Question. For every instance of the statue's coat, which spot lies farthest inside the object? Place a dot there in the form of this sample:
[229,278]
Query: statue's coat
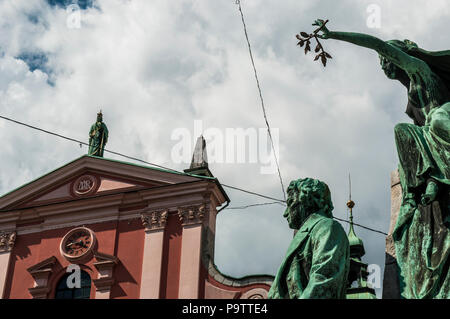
[316,263]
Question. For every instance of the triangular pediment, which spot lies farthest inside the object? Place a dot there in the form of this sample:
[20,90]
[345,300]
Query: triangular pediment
[43,266]
[87,177]
[104,258]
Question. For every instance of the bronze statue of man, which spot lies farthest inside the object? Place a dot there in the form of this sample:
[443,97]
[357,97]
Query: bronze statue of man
[98,136]
[317,260]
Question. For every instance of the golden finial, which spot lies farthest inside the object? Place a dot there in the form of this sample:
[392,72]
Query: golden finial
[350,204]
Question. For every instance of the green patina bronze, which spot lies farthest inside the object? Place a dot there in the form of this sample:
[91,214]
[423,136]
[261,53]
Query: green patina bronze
[421,234]
[98,136]
[317,260]
[358,287]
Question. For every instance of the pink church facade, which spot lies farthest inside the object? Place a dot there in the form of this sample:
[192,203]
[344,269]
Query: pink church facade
[140,233]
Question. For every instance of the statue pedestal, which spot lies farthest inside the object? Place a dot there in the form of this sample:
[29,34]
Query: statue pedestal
[391,286]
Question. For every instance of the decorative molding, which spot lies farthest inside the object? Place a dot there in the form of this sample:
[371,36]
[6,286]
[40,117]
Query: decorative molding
[191,215]
[155,220]
[70,223]
[105,265]
[213,292]
[103,284]
[41,272]
[255,293]
[39,292]
[229,281]
[86,184]
[94,164]
[102,258]
[7,240]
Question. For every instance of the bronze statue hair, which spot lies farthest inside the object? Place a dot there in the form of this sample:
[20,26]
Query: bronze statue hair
[318,193]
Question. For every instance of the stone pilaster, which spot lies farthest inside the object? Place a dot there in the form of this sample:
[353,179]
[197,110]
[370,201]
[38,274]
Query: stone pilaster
[391,285]
[7,241]
[192,219]
[154,223]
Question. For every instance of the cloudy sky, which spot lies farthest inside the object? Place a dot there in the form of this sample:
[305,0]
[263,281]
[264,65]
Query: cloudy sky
[154,67]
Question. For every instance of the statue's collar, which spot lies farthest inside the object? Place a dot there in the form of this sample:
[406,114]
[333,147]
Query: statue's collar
[311,220]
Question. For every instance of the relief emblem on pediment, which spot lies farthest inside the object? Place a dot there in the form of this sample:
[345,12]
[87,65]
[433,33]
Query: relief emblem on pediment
[84,185]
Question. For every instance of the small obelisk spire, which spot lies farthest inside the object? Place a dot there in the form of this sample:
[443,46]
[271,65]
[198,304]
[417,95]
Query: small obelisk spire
[199,163]
[200,157]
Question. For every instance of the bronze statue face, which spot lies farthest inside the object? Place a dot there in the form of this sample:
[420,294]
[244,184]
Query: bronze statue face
[293,209]
[99,117]
[306,196]
[298,205]
[389,68]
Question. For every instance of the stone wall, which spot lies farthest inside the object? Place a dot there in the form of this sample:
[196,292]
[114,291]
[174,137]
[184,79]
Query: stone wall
[391,288]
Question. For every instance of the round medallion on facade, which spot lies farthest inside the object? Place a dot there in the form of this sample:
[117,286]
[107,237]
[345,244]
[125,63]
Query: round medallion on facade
[78,244]
[85,184]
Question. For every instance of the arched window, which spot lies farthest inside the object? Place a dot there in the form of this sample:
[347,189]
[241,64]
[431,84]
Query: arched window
[64,292]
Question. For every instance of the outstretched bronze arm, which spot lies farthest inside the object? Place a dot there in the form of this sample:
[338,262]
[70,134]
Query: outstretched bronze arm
[406,62]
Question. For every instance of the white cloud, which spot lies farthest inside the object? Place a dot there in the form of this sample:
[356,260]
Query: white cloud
[154,66]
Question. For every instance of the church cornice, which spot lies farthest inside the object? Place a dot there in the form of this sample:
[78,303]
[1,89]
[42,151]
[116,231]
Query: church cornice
[99,209]
[95,164]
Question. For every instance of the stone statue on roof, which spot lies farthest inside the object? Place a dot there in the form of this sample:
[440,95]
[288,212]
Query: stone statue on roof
[98,136]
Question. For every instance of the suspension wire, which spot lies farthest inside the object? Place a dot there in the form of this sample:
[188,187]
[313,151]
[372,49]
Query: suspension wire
[337,218]
[83,143]
[238,2]
[365,227]
[277,201]
[131,157]
[253,205]
[253,193]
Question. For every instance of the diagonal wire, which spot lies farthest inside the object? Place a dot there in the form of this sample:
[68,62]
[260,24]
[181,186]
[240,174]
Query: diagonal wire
[253,205]
[129,157]
[238,2]
[277,201]
[253,193]
[365,227]
[83,143]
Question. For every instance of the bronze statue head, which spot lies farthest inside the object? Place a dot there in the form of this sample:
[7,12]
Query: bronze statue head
[391,70]
[99,116]
[307,196]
